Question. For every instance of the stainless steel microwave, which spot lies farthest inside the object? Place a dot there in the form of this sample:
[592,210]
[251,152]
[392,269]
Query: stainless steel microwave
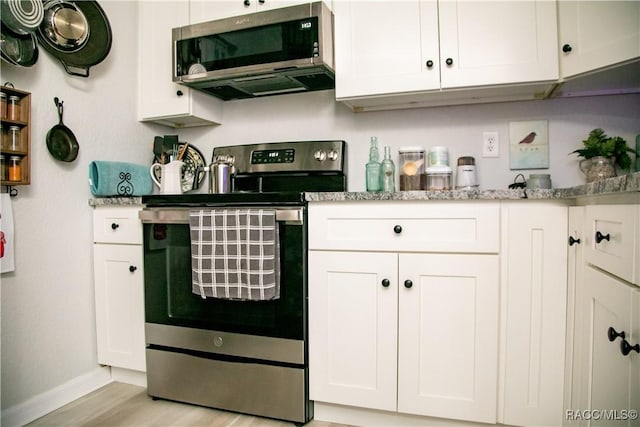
[265,53]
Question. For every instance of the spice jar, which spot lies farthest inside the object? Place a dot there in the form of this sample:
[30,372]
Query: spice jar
[3,105]
[3,168]
[4,135]
[15,168]
[13,138]
[13,108]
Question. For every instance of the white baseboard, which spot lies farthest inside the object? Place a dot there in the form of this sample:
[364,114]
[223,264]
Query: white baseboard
[129,376]
[53,399]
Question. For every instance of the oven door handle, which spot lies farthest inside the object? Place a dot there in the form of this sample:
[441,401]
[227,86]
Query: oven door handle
[290,216]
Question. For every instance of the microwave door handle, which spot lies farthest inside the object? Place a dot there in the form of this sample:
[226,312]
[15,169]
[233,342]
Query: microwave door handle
[290,216]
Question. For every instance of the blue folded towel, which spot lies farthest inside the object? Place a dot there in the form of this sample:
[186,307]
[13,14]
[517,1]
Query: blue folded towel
[119,179]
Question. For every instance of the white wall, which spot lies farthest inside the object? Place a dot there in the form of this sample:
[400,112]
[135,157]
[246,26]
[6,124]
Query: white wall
[317,116]
[48,327]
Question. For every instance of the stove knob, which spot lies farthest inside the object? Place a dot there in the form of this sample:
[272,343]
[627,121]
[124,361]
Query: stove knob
[320,155]
[332,155]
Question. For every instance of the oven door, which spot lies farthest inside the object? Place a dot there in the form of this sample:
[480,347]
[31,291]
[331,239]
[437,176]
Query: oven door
[169,299]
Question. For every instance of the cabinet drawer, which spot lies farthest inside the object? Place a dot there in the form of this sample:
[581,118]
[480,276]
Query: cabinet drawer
[117,224]
[612,240]
[405,226]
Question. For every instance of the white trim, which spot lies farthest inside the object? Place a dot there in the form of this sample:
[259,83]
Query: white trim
[129,376]
[55,398]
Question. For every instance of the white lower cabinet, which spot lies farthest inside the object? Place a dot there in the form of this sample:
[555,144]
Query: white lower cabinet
[412,333]
[119,287]
[534,278]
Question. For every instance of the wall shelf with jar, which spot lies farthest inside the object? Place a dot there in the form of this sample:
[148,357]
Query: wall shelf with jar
[15,121]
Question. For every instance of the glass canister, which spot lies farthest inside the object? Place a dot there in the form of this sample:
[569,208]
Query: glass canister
[439,178]
[4,173]
[3,105]
[14,142]
[411,165]
[15,168]
[13,108]
[542,180]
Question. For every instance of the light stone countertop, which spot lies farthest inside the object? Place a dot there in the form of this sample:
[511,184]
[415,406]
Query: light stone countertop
[616,185]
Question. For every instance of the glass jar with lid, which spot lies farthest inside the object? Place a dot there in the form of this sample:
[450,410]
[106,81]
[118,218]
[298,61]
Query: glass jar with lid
[13,108]
[14,141]
[3,105]
[15,168]
[411,167]
[4,171]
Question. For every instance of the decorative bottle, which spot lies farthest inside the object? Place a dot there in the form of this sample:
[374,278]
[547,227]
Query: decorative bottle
[388,171]
[373,167]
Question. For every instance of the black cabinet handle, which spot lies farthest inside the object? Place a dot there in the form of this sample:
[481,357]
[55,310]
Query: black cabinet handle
[600,237]
[573,241]
[179,93]
[625,347]
[408,284]
[612,334]
[429,63]
[247,3]
[449,61]
[114,226]
[385,283]
[567,48]
[261,1]
[132,268]
[397,229]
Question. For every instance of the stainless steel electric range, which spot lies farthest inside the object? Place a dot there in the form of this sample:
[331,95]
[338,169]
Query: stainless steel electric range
[235,354]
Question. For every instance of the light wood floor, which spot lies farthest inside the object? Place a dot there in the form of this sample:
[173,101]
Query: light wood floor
[119,404]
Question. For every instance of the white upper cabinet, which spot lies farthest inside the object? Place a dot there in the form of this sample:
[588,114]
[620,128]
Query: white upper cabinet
[404,47]
[203,10]
[597,34]
[160,100]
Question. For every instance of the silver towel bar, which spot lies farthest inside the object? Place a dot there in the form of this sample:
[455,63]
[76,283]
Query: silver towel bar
[292,216]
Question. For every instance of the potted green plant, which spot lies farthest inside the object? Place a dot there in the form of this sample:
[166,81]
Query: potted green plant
[602,154]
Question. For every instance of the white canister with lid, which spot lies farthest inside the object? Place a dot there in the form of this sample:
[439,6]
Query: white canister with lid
[438,156]
[439,178]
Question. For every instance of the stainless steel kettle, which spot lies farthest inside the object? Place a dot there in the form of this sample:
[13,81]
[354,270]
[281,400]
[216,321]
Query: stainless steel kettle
[221,172]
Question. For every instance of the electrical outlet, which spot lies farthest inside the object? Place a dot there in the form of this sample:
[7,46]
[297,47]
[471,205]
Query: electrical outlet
[490,144]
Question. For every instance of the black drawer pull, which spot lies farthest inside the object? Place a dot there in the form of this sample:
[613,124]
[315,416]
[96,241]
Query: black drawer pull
[600,237]
[132,268]
[385,283]
[612,334]
[625,348]
[397,229]
[573,241]
[567,48]
[408,284]
[114,226]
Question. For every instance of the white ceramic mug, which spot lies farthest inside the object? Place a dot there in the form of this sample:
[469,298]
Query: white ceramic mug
[170,177]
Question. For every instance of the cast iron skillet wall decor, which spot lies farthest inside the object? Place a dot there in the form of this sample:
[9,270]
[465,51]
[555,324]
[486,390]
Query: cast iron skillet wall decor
[61,142]
[77,33]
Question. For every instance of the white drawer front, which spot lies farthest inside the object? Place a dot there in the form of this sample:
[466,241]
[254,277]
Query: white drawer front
[617,250]
[405,226]
[117,224]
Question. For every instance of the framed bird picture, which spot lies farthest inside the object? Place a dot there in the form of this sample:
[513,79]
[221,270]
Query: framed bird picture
[529,144]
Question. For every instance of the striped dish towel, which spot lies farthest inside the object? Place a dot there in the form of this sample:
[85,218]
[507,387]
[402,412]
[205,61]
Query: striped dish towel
[235,254]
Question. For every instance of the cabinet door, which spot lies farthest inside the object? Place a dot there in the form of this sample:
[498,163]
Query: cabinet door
[383,47]
[599,33]
[353,328]
[119,293]
[535,292]
[448,336]
[575,278]
[606,371]
[497,42]
[159,99]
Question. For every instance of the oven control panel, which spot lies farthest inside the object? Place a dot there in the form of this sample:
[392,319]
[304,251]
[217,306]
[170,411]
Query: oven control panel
[300,156]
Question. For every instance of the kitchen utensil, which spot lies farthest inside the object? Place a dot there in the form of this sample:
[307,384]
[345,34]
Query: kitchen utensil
[65,26]
[171,177]
[17,49]
[193,170]
[466,178]
[21,16]
[220,173]
[61,142]
[411,168]
[75,50]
